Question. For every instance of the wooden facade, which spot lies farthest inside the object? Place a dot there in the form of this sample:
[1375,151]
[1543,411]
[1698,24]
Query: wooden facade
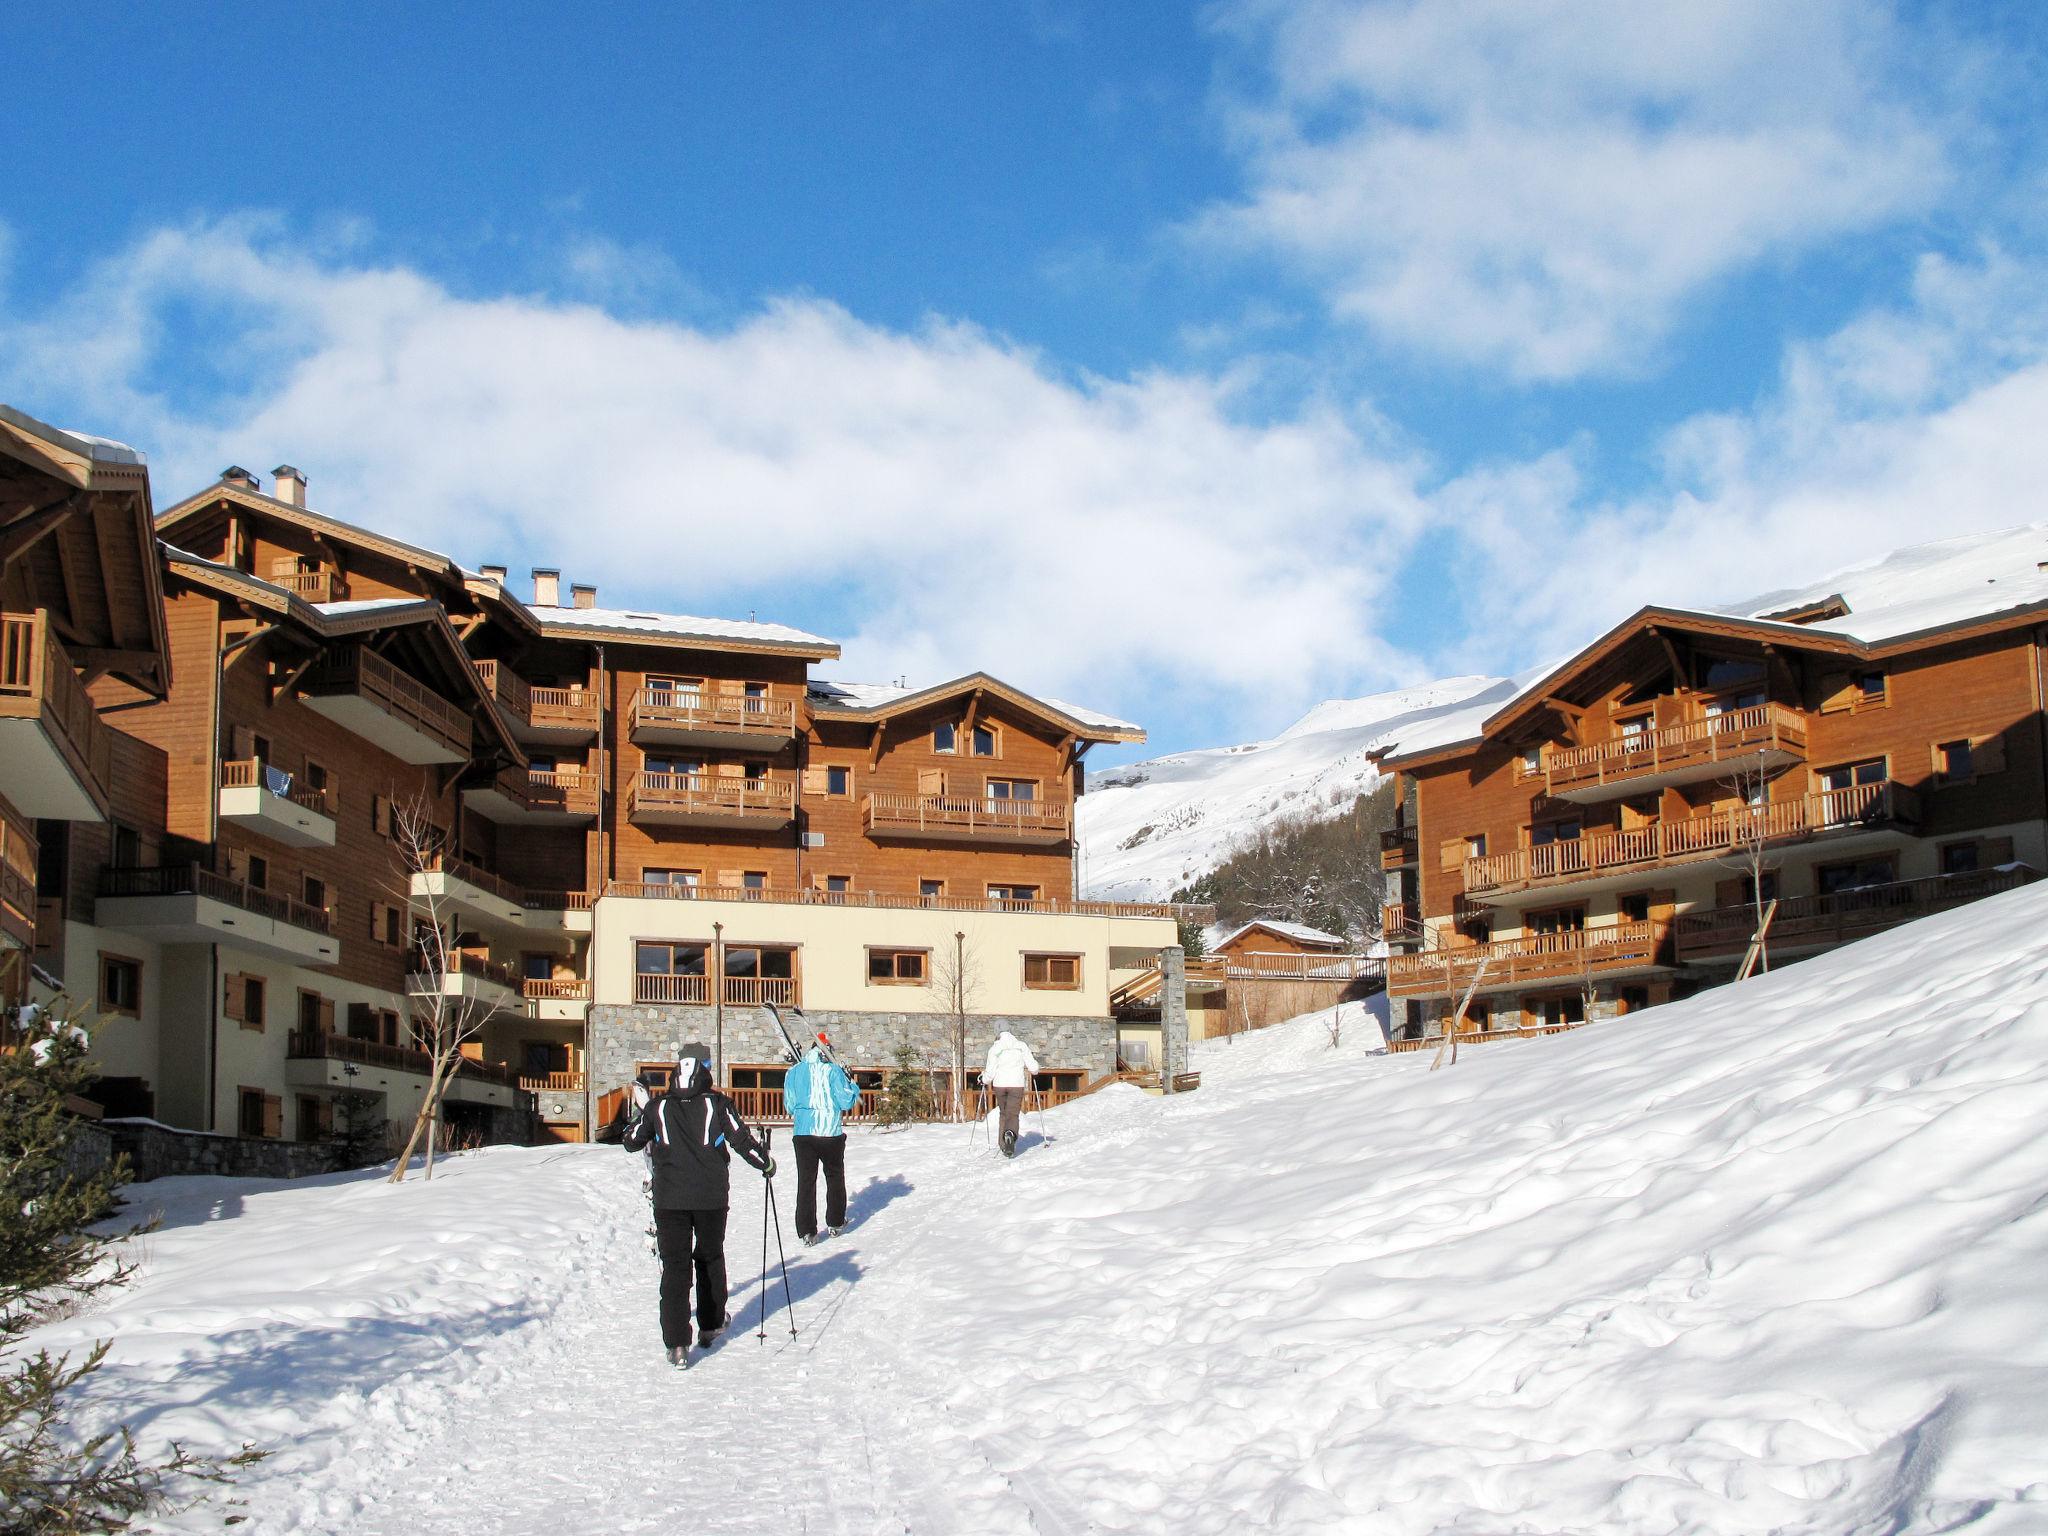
[1596,845]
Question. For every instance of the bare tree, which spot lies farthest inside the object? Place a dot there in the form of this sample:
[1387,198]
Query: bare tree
[1750,826]
[442,1022]
[956,988]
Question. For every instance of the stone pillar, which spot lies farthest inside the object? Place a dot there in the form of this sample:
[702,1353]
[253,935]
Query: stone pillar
[1173,1015]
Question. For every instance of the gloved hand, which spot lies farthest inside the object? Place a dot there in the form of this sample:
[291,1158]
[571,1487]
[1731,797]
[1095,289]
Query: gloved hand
[768,1169]
[640,1098]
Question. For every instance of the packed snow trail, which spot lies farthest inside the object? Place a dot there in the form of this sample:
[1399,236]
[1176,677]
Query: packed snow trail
[1769,1260]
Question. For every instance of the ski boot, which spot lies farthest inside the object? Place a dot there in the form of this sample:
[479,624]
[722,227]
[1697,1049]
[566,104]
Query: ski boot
[706,1337]
[1009,1143]
[679,1357]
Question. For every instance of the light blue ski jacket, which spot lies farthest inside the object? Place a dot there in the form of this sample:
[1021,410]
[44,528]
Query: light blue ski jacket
[817,1093]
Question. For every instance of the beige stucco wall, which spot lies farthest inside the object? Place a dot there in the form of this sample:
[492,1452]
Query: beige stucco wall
[834,941]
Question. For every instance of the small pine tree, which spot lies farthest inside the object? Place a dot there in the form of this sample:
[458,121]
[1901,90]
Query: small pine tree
[1193,943]
[908,1098]
[362,1136]
[54,1483]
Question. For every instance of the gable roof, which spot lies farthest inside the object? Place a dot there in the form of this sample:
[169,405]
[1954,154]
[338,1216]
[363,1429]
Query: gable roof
[1907,600]
[1301,933]
[883,701]
[681,629]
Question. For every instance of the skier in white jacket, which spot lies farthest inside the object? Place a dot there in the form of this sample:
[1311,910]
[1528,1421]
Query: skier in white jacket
[1009,1070]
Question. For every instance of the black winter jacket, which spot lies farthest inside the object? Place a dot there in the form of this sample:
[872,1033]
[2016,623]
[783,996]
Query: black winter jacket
[688,1132]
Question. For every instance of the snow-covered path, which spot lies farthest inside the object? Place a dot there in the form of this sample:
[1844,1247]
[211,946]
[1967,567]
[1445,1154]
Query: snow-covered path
[1768,1260]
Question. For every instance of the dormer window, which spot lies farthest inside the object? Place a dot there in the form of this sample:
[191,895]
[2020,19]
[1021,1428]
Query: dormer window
[946,738]
[984,742]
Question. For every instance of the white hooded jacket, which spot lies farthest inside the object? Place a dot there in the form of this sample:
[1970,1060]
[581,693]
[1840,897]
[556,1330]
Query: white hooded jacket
[1010,1063]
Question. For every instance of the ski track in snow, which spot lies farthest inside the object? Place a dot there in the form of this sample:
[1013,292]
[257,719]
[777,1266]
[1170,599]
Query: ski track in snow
[1767,1260]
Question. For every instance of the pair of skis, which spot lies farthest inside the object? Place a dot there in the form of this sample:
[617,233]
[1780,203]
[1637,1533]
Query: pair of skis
[792,1052]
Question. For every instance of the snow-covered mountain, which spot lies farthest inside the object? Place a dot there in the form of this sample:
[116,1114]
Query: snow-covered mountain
[1151,827]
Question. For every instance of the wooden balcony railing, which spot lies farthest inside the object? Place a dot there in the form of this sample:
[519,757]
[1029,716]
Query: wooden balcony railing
[306,1044]
[38,681]
[322,586]
[568,709]
[740,991]
[1397,847]
[473,875]
[552,1082]
[685,709]
[567,791]
[806,896]
[968,815]
[1533,958]
[1400,919]
[458,962]
[1839,918]
[247,773]
[570,988]
[17,876]
[1723,738]
[555,901]
[1863,806]
[711,794]
[357,669]
[195,880]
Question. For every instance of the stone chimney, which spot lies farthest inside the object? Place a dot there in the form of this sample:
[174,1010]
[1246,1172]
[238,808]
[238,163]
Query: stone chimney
[547,588]
[581,596]
[291,486]
[496,573]
[239,478]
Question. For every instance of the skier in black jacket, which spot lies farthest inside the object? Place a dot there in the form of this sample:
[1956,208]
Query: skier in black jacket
[687,1131]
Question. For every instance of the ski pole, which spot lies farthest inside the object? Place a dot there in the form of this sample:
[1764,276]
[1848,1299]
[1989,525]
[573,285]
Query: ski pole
[767,1199]
[782,1258]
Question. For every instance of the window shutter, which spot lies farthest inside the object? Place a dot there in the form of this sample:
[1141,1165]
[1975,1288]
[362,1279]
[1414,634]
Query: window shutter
[243,742]
[273,1115]
[326,1015]
[231,1004]
[323,1117]
[380,815]
[238,864]
[1450,853]
[376,920]
[730,876]
[731,770]
[816,781]
[729,686]
[1994,851]
[1987,754]
[1837,692]
[931,781]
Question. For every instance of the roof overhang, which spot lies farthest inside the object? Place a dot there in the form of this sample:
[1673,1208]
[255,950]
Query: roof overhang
[193,508]
[809,649]
[979,682]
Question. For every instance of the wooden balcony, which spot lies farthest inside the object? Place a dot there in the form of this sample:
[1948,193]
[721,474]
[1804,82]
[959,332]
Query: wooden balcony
[453,886]
[1888,806]
[557,997]
[468,977]
[1397,848]
[260,798]
[809,896]
[1804,923]
[190,904]
[1401,922]
[325,585]
[556,715]
[1691,752]
[966,819]
[1624,949]
[17,879]
[558,911]
[55,753]
[710,800]
[552,1082]
[695,991]
[359,690]
[702,718]
[304,1044]
[558,797]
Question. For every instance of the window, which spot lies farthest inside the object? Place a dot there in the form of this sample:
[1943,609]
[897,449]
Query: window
[1856,874]
[1052,973]
[1012,789]
[1854,775]
[1013,893]
[1531,761]
[539,1058]
[120,984]
[760,973]
[756,774]
[260,748]
[945,738]
[314,892]
[1557,920]
[249,1111]
[838,781]
[930,890]
[671,973]
[838,882]
[1959,859]
[259,873]
[684,879]
[1953,762]
[127,847]
[681,767]
[1870,687]
[1634,999]
[1558,1012]
[316,776]
[253,995]
[675,692]
[536,965]
[1475,846]
[898,967]
[312,1012]
[754,880]
[1555,832]
[984,741]
[1727,672]
[1728,704]
[1633,727]
[1633,907]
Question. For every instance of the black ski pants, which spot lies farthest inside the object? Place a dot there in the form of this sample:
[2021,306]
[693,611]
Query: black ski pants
[1010,1105]
[690,1240]
[813,1153]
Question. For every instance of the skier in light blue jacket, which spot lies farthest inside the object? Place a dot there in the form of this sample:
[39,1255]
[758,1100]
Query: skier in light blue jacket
[818,1093]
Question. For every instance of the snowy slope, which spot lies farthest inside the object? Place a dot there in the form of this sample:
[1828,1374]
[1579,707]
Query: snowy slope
[1149,828]
[1766,1260]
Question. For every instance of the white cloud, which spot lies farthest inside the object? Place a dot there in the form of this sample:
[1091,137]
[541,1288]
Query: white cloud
[945,492]
[1906,425]
[1541,186]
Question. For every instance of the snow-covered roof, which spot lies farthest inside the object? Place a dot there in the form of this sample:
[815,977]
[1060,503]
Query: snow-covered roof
[1301,933]
[881,697]
[679,626]
[369,604]
[1905,594]
[103,450]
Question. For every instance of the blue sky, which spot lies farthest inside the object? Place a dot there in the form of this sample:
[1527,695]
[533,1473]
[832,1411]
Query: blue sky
[1195,362]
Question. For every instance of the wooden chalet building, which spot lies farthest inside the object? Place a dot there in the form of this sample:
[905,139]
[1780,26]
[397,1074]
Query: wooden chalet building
[1604,838]
[645,826]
